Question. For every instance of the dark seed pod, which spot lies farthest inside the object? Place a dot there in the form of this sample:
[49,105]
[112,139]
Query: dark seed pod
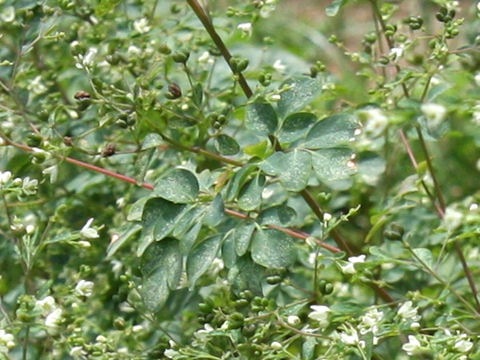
[174,91]
[67,140]
[82,95]
[109,150]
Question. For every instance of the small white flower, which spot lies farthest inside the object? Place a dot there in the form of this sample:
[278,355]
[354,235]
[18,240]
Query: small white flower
[202,333]
[141,26]
[452,219]
[435,113]
[137,328]
[170,353]
[412,346]
[478,6]
[84,288]
[268,8]
[407,311]
[293,320]
[101,339]
[52,172]
[349,268]
[205,58]
[370,321]
[327,217]
[396,53]
[88,59]
[36,86]
[46,305]
[277,65]
[52,321]
[320,314]
[6,341]
[275,97]
[5,177]
[477,79]
[77,352]
[375,121]
[89,232]
[134,50]
[8,14]
[350,339]
[246,29]
[463,345]
[276,345]
[473,207]
[29,186]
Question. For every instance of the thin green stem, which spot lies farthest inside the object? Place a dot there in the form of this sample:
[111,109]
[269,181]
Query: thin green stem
[205,20]
[428,270]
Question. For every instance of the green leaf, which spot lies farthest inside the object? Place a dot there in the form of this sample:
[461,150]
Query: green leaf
[281,215]
[425,256]
[250,196]
[246,275]
[215,213]
[229,255]
[333,131]
[161,267]
[308,348]
[226,145]
[187,240]
[273,249]
[302,91]
[127,231]
[261,118]
[293,168]
[186,221]
[136,210]
[178,186]
[158,220]
[260,150]
[238,180]
[201,257]
[296,126]
[331,164]
[242,235]
[197,94]
[334,7]
[151,141]
[105,7]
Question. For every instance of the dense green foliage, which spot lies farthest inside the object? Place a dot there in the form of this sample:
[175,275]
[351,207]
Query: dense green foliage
[189,180]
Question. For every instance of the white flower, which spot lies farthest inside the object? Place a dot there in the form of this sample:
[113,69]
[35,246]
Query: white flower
[276,345]
[370,321]
[268,8]
[88,59]
[293,320]
[77,352]
[277,65]
[141,25]
[275,97]
[202,333]
[477,79]
[375,121]
[205,58]
[101,339]
[36,86]
[246,29]
[84,288]
[435,113]
[463,345]
[320,314]
[52,172]
[6,341]
[408,312]
[349,268]
[396,53]
[5,177]
[170,353]
[8,14]
[134,50]
[53,320]
[137,328]
[412,346]
[327,217]
[478,6]
[46,305]
[89,232]
[350,339]
[452,219]
[29,186]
